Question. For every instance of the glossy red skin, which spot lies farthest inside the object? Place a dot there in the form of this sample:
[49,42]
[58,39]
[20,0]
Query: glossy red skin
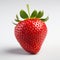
[30,34]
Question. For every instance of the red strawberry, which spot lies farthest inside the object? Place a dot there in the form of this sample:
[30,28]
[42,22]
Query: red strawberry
[31,32]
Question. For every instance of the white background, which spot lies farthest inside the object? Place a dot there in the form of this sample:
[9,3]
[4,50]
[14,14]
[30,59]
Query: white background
[9,47]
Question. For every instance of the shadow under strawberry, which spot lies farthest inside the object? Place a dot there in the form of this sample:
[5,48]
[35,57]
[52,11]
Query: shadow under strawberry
[16,51]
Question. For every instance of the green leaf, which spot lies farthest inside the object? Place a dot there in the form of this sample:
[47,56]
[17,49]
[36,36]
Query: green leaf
[34,13]
[40,14]
[17,20]
[23,14]
[14,23]
[44,19]
[17,17]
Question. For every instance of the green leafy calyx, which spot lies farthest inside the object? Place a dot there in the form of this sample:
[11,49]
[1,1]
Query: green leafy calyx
[23,14]
[34,14]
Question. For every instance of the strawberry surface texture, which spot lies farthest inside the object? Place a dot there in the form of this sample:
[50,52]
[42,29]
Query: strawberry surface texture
[31,34]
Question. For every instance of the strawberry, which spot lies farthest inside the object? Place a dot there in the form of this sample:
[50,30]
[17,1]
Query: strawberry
[31,32]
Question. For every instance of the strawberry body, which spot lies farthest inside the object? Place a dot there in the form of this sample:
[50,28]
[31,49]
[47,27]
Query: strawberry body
[30,34]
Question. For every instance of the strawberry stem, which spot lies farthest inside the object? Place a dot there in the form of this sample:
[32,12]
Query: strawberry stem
[28,10]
